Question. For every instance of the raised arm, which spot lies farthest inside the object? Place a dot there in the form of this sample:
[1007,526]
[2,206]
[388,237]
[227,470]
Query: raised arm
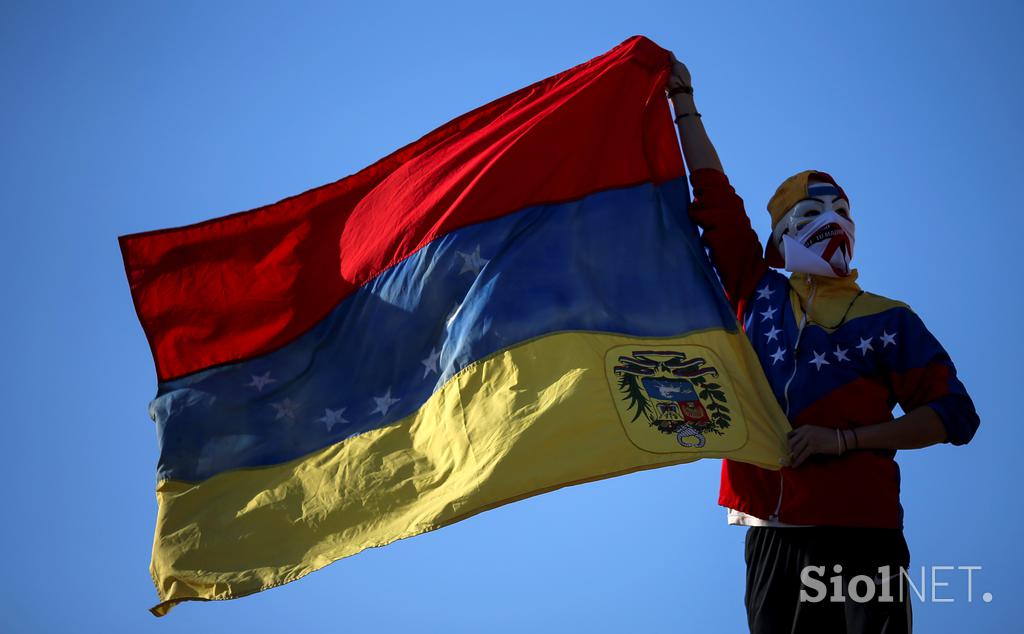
[735,248]
[698,150]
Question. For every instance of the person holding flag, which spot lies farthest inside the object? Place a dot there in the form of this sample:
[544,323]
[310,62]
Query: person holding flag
[838,359]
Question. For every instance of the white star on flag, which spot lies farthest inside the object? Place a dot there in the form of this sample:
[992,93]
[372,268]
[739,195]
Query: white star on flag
[865,345]
[764,293]
[259,382]
[384,403]
[430,363]
[841,354]
[472,261]
[887,339]
[819,360]
[332,417]
[766,315]
[777,355]
[773,333]
[286,410]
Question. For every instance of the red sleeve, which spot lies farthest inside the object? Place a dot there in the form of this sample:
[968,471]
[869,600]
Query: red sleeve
[735,248]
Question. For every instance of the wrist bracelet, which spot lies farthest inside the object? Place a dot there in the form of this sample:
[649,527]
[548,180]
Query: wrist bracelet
[839,448]
[686,114]
[686,90]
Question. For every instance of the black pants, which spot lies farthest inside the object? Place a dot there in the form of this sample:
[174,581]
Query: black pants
[776,556]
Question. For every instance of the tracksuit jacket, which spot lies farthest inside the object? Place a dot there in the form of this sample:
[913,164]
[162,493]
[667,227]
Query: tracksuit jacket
[859,355]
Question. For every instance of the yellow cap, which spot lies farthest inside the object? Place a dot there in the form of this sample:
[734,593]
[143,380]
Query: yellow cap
[790,192]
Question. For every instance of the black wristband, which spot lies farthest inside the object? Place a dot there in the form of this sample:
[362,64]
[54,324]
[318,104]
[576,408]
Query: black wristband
[686,90]
[686,114]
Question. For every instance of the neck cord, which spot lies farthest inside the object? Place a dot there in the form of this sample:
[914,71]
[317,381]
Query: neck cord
[842,320]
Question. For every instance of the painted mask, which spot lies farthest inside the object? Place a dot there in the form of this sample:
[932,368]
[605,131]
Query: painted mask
[816,234]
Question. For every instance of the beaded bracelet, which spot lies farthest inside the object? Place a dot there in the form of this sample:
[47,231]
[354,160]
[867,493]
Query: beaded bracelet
[686,114]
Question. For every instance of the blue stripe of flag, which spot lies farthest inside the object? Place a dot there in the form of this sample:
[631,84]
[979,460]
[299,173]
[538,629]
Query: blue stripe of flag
[621,261]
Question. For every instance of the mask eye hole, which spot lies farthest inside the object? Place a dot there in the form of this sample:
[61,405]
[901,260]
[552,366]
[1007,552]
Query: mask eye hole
[844,212]
[806,217]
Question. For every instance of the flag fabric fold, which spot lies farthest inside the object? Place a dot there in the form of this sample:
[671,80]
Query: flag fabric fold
[514,303]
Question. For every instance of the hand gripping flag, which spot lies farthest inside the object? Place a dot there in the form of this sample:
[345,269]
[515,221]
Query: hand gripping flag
[514,303]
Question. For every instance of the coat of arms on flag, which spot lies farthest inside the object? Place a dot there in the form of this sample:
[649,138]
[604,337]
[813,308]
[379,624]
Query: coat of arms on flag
[681,395]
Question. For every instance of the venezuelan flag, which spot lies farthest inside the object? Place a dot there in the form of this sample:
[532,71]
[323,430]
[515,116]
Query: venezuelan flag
[514,303]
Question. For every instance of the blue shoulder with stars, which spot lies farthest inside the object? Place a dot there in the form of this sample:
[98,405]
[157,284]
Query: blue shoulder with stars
[881,338]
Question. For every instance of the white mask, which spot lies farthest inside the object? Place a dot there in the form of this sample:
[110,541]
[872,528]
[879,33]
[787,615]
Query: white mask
[816,234]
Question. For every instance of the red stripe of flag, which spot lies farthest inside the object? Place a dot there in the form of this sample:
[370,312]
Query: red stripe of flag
[245,284]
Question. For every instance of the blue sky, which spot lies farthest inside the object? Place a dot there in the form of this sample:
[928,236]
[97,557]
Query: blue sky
[125,117]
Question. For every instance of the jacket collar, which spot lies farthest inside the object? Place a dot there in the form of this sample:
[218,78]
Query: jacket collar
[832,296]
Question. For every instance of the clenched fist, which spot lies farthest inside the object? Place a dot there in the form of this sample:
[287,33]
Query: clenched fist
[680,74]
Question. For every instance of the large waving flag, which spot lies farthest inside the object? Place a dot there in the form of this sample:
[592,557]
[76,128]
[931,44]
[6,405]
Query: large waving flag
[514,303]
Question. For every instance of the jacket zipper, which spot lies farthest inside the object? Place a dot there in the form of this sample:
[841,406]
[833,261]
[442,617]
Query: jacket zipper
[785,391]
